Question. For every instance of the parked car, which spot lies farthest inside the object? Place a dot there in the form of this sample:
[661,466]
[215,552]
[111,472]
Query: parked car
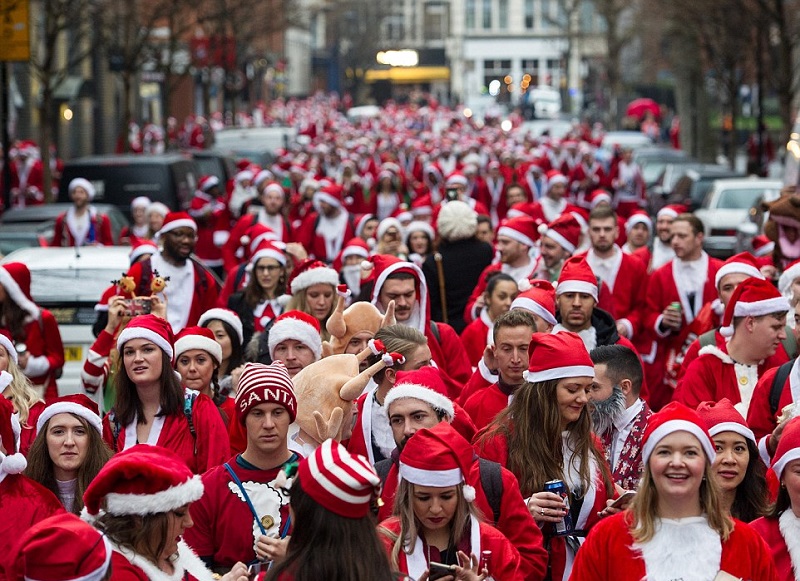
[727,205]
[659,193]
[654,159]
[24,235]
[118,179]
[556,128]
[209,162]
[691,189]
[40,220]
[69,282]
[258,144]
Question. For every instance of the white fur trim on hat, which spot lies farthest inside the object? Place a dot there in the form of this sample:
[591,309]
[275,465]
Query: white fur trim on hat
[269,253]
[457,221]
[140,202]
[275,188]
[515,235]
[129,333]
[15,292]
[175,224]
[667,211]
[785,280]
[210,183]
[226,316]
[163,501]
[436,478]
[320,275]
[638,219]
[577,286]
[672,426]
[82,183]
[9,347]
[559,179]
[416,391]
[355,250]
[321,196]
[735,427]
[296,329]
[387,223]
[69,407]
[756,309]
[457,180]
[141,250]
[737,268]
[558,373]
[790,455]
[419,226]
[563,242]
[189,342]
[535,308]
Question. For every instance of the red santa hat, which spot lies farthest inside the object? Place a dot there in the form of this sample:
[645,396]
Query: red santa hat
[275,188]
[261,383]
[522,228]
[638,217]
[244,175]
[538,297]
[422,206]
[360,221]
[672,210]
[82,183]
[558,355]
[742,263]
[387,223]
[402,213]
[311,272]
[331,194]
[12,462]
[555,177]
[207,182]
[243,164]
[785,281]
[62,547]
[354,247]
[380,266]
[268,249]
[77,404]
[599,196]
[142,246]
[226,316]
[788,446]
[343,483]
[263,176]
[424,384]
[762,245]
[175,220]
[299,326]
[197,338]
[721,416]
[420,226]
[456,179]
[254,235]
[577,277]
[675,417]
[15,278]
[159,208]
[565,230]
[753,297]
[151,328]
[7,343]
[438,457]
[142,480]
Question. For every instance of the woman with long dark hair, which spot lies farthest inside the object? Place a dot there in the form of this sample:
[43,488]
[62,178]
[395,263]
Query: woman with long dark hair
[229,333]
[545,434]
[69,449]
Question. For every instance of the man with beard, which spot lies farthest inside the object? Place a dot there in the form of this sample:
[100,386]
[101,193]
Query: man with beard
[324,231]
[619,415]
[559,241]
[191,288]
[662,251]
[416,402]
[82,225]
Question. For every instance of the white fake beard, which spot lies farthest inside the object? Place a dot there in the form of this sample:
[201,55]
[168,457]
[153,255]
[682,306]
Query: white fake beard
[605,412]
[352,277]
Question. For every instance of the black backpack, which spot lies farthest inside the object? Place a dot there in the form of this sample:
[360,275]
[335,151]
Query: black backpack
[778,382]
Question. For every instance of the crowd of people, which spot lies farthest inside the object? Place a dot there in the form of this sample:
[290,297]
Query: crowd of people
[411,349]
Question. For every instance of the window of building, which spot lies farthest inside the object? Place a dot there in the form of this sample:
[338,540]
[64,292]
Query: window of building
[502,14]
[547,17]
[436,21]
[394,27]
[470,14]
[587,16]
[530,20]
[531,67]
[486,15]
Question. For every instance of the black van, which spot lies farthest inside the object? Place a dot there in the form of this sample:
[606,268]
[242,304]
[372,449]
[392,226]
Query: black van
[118,179]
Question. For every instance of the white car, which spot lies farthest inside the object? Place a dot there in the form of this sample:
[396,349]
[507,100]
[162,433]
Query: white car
[68,282]
[726,206]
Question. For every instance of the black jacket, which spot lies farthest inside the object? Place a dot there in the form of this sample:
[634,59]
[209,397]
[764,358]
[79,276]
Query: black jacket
[604,325]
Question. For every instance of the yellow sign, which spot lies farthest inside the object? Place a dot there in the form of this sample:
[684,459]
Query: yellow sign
[15,42]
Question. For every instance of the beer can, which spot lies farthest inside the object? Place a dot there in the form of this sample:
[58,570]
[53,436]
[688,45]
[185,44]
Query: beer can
[675,306]
[558,487]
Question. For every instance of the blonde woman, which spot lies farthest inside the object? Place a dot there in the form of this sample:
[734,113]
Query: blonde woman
[16,387]
[313,288]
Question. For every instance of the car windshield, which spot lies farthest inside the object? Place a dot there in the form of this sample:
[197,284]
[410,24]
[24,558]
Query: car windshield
[739,198]
[71,285]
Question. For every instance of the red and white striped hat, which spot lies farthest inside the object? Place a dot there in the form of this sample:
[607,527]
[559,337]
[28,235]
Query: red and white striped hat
[754,297]
[577,277]
[721,416]
[675,417]
[77,404]
[197,338]
[175,220]
[261,383]
[742,263]
[556,356]
[343,483]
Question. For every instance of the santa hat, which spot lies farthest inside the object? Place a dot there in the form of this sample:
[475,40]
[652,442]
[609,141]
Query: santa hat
[638,217]
[77,404]
[15,278]
[142,480]
[243,164]
[402,214]
[207,182]
[538,297]
[274,187]
[457,221]
[791,272]
[438,457]
[244,175]
[7,343]
[577,277]
[62,548]
[158,208]
[330,194]
[420,226]
[456,179]
[197,338]
[762,245]
[360,221]
[299,326]
[140,202]
[354,247]
[263,176]
[721,416]
[742,263]
[380,266]
[753,297]
[175,220]
[267,249]
[555,177]
[142,246]
[565,230]
[424,384]
[261,383]
[788,446]
[422,206]
[82,183]
[12,462]
[672,210]
[254,235]
[311,272]
[151,328]
[675,417]
[340,482]
[226,316]
[387,223]
[522,228]
[599,196]
[557,356]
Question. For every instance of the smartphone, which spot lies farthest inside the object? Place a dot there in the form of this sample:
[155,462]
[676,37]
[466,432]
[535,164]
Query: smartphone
[138,306]
[452,194]
[255,569]
[440,570]
[624,499]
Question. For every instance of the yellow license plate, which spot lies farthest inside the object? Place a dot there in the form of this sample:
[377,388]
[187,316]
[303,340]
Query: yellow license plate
[73,353]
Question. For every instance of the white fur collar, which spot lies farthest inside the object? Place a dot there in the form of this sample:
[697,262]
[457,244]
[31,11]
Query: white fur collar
[789,525]
[717,352]
[186,562]
[686,549]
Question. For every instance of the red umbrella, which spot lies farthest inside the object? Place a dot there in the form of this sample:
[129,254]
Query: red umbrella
[638,107]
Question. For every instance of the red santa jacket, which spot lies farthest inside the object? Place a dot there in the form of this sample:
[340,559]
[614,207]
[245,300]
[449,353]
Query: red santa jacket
[129,566]
[230,255]
[608,554]
[481,378]
[583,179]
[484,405]
[27,183]
[769,528]
[213,227]
[471,313]
[475,337]
[99,231]
[46,351]
[312,240]
[760,417]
